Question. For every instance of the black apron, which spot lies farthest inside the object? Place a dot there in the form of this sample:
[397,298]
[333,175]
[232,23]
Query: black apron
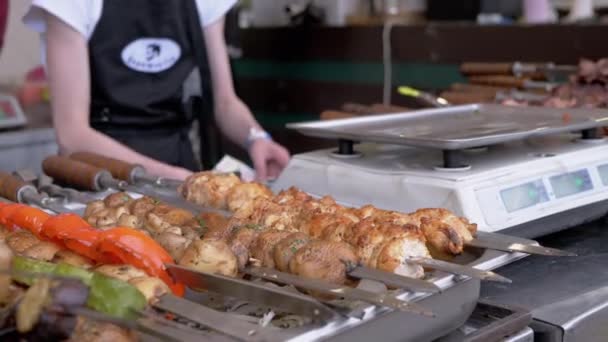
[141,52]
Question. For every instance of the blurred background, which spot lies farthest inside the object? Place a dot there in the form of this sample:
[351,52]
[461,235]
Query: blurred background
[297,60]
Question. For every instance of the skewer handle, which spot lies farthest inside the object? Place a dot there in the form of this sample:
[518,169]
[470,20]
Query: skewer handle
[475,88]
[333,114]
[474,68]
[74,173]
[460,97]
[379,108]
[118,168]
[11,186]
[499,80]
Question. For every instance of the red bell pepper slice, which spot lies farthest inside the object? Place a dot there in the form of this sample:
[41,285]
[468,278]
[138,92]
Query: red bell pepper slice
[6,212]
[138,249]
[29,218]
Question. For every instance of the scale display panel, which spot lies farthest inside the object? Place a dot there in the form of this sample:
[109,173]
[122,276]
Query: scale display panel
[571,183]
[524,196]
[603,171]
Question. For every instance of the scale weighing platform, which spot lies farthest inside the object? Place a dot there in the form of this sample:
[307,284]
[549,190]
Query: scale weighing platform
[508,169]
[527,171]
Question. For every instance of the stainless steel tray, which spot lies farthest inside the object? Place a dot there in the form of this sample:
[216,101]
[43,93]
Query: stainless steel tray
[453,306]
[456,127]
[366,322]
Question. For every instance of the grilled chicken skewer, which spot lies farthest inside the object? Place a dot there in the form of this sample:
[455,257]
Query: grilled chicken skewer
[280,298]
[136,174]
[217,255]
[239,239]
[446,233]
[198,250]
[91,177]
[175,235]
[128,172]
[225,191]
[385,245]
[404,243]
[244,197]
[212,254]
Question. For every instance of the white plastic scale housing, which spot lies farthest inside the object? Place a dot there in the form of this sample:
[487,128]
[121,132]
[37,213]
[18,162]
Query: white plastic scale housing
[572,172]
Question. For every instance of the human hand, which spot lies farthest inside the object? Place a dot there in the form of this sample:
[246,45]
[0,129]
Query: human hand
[269,159]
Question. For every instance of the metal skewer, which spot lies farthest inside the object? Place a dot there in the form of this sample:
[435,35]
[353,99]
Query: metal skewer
[490,241]
[391,279]
[12,188]
[458,269]
[131,173]
[96,178]
[274,297]
[226,283]
[280,298]
[337,290]
[93,178]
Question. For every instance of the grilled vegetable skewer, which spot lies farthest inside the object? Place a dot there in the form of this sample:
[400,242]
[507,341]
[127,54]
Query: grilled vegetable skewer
[153,288]
[110,241]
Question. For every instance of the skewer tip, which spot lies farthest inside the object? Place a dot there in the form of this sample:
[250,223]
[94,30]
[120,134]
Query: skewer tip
[501,279]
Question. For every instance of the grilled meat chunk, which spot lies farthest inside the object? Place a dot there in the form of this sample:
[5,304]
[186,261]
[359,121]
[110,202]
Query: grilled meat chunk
[209,189]
[209,255]
[323,260]
[243,194]
[263,246]
[285,249]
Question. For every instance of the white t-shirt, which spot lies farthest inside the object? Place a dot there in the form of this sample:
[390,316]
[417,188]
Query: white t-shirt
[83,15]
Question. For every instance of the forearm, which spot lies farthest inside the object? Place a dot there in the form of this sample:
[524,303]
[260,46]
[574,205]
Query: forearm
[235,120]
[232,115]
[90,140]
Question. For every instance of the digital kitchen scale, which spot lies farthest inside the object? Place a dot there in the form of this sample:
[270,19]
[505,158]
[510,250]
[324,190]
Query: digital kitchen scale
[529,171]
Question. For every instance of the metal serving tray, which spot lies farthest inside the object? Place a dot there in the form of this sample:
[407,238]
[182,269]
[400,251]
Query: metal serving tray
[365,322]
[457,127]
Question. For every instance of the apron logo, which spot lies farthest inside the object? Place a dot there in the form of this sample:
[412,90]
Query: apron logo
[151,55]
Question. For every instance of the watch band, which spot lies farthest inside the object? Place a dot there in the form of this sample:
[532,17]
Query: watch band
[256,134]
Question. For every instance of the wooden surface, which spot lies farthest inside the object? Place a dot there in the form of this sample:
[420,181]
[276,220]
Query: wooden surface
[439,43]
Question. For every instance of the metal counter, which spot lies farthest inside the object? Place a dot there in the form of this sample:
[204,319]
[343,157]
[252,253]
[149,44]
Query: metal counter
[568,297]
[25,149]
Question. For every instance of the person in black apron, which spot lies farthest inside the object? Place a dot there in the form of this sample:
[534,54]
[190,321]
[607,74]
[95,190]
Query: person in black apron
[133,99]
[140,53]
